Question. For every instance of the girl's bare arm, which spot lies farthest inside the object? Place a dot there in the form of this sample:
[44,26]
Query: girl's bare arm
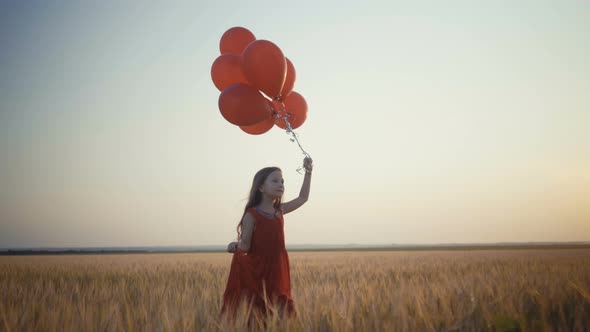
[303,193]
[247,230]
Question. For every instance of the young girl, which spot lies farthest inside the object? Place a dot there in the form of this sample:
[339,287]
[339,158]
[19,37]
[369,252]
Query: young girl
[260,263]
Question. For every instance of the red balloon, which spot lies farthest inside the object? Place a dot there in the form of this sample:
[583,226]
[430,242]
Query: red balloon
[259,128]
[265,67]
[227,70]
[296,107]
[289,80]
[235,40]
[243,105]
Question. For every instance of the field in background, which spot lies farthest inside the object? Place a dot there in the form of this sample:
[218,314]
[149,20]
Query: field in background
[333,291]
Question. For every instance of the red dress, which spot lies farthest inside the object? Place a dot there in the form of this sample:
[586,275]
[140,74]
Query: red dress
[264,268]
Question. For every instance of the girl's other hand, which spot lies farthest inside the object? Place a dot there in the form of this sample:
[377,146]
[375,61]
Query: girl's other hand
[231,247]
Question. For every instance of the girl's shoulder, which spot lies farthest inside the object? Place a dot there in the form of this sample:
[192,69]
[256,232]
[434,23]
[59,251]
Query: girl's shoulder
[251,210]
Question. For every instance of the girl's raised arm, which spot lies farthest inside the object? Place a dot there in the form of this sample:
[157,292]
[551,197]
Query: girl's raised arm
[303,193]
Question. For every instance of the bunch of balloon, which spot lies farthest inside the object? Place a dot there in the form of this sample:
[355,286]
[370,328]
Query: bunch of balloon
[256,81]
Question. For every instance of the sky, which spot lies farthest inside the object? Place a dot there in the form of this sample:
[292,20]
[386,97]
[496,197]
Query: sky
[428,122]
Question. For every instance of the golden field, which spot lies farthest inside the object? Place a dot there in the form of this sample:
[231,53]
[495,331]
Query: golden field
[502,290]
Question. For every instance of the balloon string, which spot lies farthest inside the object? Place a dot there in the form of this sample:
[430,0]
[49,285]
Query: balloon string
[294,139]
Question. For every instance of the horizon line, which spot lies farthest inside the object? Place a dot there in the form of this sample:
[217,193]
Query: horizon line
[307,244]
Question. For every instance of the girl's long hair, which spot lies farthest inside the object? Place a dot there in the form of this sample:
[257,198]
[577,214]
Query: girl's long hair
[255,196]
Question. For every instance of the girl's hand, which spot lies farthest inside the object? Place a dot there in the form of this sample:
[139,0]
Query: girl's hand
[232,246]
[308,164]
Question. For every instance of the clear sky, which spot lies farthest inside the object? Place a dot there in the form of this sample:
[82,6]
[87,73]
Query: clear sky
[429,122]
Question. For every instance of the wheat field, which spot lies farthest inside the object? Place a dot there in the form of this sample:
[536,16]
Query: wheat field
[479,290]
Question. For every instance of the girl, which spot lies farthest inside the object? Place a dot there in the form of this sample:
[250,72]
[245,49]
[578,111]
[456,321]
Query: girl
[259,271]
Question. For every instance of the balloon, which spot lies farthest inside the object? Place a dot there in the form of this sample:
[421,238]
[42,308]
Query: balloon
[265,67]
[289,80]
[296,107]
[243,105]
[259,128]
[235,40]
[227,70]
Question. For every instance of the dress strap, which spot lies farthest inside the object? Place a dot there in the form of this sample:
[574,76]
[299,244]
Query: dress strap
[265,214]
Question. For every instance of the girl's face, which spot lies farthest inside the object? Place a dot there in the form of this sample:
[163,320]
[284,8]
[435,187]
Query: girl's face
[273,185]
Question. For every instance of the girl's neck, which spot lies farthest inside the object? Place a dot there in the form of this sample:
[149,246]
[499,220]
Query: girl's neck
[267,204]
